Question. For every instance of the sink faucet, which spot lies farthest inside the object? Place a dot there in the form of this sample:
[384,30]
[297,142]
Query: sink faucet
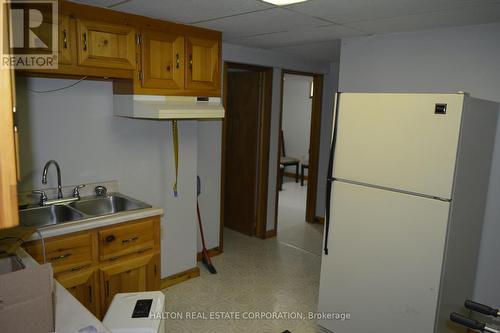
[44,177]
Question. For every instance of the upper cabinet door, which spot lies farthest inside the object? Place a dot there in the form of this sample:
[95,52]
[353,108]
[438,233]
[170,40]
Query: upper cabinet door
[105,45]
[203,68]
[162,60]
[66,41]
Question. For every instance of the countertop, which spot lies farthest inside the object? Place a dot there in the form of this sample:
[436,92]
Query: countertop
[96,222]
[70,315]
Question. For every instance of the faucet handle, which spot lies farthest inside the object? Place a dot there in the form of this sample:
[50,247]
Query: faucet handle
[43,196]
[76,191]
[101,191]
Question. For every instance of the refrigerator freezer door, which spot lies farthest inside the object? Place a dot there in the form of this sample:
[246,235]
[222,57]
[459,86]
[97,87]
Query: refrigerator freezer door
[385,260]
[401,141]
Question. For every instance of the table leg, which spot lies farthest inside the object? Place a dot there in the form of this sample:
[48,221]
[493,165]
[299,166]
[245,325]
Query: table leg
[297,173]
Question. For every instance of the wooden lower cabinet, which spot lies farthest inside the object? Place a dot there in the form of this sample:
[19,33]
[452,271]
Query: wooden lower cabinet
[84,286]
[127,267]
[138,274]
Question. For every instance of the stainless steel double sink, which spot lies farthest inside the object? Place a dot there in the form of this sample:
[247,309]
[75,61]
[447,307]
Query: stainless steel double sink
[84,208]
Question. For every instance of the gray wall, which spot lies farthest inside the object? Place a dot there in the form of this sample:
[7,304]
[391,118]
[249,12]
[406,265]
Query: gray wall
[445,60]
[212,140]
[296,122]
[77,128]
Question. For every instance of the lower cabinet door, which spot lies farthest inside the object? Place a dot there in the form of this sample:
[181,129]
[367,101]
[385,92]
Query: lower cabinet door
[141,273]
[84,286]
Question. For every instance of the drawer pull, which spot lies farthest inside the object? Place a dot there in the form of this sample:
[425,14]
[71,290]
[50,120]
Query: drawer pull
[110,238]
[130,240]
[62,256]
[177,61]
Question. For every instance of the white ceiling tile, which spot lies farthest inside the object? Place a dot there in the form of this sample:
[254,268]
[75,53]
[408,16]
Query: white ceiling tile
[190,11]
[293,37]
[99,3]
[448,18]
[267,21]
[324,51]
[344,11]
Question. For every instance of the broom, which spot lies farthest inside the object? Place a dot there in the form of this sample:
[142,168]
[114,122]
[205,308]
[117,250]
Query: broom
[205,257]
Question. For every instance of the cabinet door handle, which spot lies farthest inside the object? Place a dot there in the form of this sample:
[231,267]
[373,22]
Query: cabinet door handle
[130,240]
[90,294]
[190,61]
[65,39]
[79,268]
[62,256]
[177,61]
[85,41]
[107,288]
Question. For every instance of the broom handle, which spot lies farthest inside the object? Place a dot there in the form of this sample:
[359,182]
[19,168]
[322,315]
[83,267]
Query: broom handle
[205,252]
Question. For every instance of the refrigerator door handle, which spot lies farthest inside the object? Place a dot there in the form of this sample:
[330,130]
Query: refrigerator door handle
[330,179]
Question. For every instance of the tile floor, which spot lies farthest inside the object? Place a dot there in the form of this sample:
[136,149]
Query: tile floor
[254,276]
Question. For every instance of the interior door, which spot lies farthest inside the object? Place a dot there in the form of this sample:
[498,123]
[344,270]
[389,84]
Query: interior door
[162,60]
[384,264]
[241,155]
[399,141]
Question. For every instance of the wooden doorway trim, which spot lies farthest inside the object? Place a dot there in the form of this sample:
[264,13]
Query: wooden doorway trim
[263,150]
[314,145]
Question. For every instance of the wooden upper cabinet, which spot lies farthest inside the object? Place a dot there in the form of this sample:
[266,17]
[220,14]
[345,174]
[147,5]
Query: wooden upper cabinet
[203,64]
[105,45]
[162,60]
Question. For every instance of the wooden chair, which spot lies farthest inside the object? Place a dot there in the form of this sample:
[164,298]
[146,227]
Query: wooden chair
[303,166]
[281,175]
[288,161]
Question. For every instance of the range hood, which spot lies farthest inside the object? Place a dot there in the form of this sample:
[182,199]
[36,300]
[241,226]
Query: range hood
[167,107]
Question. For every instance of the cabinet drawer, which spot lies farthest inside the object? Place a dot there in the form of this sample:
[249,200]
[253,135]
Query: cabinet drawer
[125,239]
[66,253]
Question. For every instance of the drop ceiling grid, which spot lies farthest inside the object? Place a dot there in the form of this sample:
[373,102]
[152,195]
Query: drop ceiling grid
[296,28]
[295,37]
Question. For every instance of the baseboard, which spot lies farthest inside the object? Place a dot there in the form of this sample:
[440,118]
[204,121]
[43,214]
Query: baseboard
[179,277]
[292,175]
[215,251]
[271,233]
[319,219]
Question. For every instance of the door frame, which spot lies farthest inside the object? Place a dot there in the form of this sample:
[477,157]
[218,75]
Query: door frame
[263,146]
[314,146]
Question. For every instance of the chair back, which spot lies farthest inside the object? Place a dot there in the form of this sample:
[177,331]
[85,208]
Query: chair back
[282,144]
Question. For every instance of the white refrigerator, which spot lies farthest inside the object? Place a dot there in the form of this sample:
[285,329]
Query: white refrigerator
[407,188]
